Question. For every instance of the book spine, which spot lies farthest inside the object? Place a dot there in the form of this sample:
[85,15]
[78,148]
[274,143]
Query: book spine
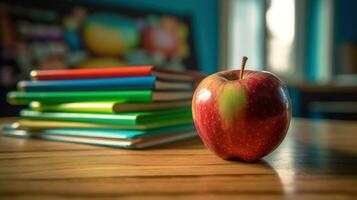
[117,119]
[64,74]
[128,83]
[22,98]
[79,117]
[85,107]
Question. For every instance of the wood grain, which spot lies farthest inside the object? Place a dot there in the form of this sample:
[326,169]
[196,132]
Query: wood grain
[318,160]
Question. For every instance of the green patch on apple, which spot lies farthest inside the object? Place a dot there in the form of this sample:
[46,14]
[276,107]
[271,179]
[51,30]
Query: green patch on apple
[232,101]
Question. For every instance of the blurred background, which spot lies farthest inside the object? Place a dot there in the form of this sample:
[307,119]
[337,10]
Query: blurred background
[310,44]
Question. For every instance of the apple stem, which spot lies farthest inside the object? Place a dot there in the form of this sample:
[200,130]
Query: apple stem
[244,61]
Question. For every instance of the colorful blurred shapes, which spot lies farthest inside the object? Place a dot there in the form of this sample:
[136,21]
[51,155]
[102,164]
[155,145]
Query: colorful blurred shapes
[73,39]
[101,62]
[167,37]
[138,57]
[71,25]
[76,57]
[157,39]
[39,31]
[51,62]
[109,34]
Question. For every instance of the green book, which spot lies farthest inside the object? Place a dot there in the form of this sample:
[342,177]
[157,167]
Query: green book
[22,98]
[136,118]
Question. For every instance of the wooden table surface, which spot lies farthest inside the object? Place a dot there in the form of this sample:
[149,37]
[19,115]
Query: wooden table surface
[317,160]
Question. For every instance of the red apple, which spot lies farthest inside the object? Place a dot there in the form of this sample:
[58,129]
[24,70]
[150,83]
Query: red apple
[242,115]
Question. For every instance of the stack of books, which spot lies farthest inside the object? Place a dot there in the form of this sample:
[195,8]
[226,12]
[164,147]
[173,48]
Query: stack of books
[127,107]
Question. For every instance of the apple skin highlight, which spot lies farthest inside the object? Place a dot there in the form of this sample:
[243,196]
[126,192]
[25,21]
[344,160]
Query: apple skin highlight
[241,118]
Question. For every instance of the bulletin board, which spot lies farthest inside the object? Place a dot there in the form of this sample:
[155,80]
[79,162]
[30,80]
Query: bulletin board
[60,34]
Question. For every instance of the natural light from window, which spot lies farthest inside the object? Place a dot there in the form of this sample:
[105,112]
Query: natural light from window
[280,22]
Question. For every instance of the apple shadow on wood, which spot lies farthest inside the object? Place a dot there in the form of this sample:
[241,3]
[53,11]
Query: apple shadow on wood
[238,177]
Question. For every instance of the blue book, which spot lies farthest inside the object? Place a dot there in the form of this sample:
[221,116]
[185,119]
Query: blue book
[123,83]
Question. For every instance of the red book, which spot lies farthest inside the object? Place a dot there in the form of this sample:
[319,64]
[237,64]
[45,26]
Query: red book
[160,73]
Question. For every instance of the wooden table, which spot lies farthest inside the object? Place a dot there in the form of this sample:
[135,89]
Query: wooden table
[318,160]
